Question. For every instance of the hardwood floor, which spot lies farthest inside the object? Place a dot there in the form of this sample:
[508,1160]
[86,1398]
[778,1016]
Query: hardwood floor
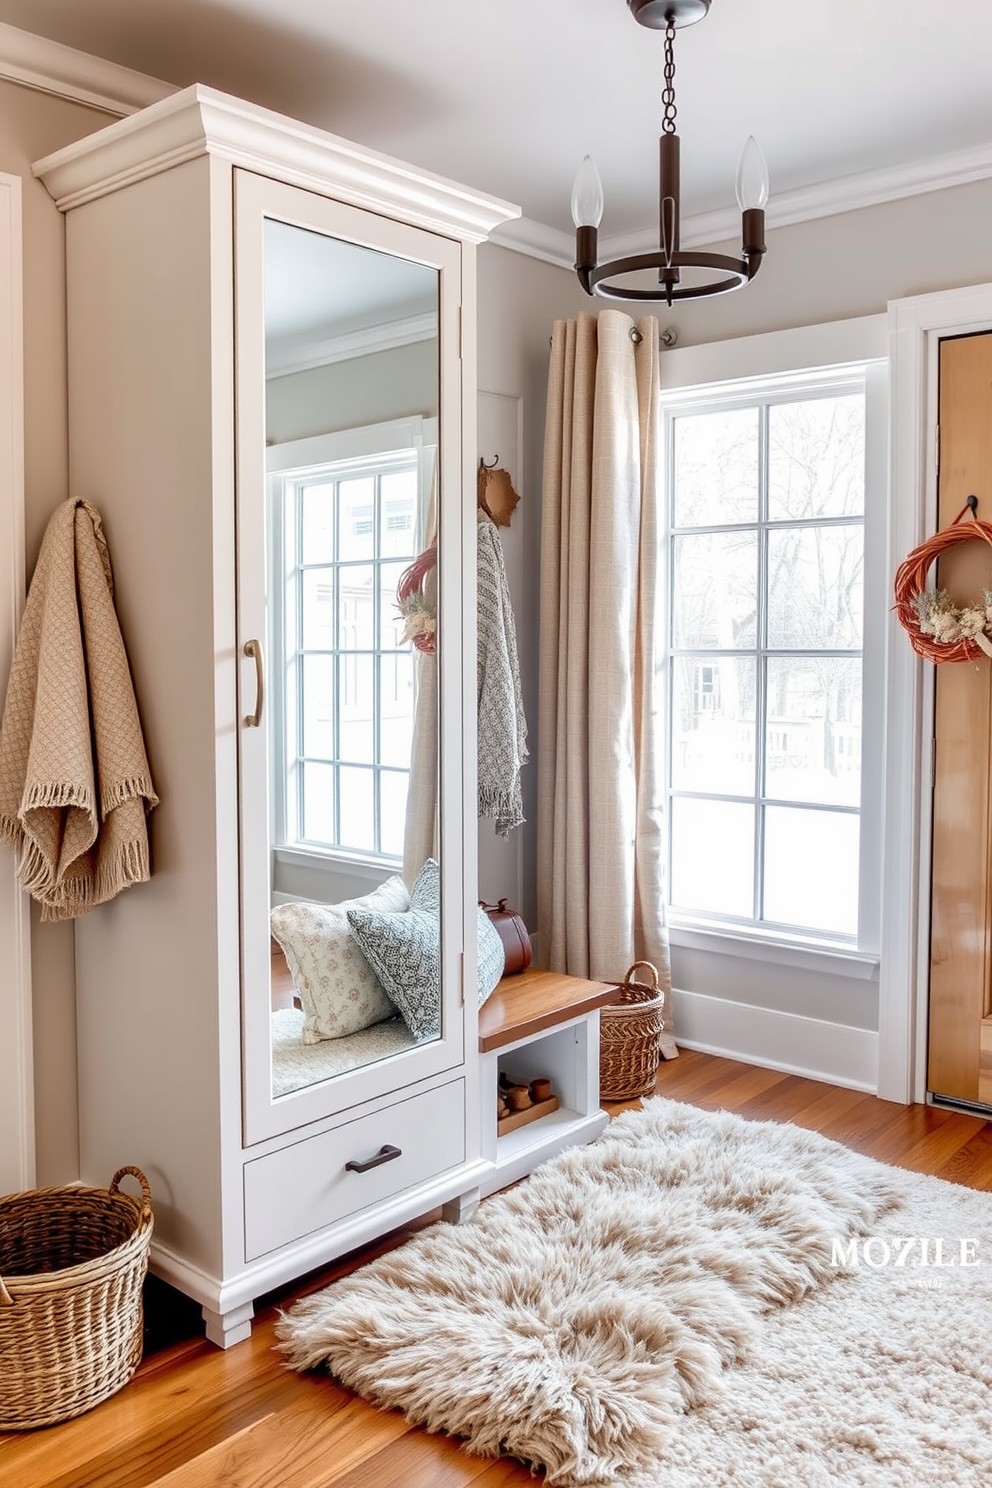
[197,1417]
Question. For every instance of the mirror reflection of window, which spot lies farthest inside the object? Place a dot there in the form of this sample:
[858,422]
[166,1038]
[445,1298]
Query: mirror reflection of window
[352,378]
[348,677]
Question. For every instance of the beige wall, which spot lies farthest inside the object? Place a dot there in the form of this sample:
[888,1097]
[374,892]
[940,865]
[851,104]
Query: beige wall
[31,125]
[832,269]
[853,264]
[848,265]
[519,298]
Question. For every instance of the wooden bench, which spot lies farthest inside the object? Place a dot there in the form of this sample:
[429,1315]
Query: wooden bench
[541,1024]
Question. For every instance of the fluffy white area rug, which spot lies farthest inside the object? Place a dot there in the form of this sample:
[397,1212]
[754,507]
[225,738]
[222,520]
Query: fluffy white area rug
[587,1320]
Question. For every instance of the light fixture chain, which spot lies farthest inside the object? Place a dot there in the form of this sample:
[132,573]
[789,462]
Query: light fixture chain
[668,92]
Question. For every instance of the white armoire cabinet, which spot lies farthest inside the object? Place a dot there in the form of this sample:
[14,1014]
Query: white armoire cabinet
[191,228]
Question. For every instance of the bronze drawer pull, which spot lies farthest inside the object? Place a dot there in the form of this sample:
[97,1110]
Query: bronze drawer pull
[384,1155]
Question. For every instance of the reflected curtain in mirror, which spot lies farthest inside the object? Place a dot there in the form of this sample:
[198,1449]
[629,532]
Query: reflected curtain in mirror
[352,404]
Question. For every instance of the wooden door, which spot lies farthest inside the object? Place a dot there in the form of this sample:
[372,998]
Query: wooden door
[960,1029]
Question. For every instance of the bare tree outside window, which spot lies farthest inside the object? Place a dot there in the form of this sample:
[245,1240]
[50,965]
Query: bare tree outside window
[766,555]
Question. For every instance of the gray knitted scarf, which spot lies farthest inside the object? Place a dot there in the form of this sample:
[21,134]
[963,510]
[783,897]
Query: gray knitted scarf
[502,747]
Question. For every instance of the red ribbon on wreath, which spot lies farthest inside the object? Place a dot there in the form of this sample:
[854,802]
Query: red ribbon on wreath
[926,615]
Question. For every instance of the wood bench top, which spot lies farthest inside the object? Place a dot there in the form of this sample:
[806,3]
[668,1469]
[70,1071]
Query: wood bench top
[535,1000]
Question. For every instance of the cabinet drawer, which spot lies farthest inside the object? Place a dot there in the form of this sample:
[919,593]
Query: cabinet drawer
[306,1186]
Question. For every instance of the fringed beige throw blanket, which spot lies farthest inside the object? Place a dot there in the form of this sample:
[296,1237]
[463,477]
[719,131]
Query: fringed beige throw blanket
[75,786]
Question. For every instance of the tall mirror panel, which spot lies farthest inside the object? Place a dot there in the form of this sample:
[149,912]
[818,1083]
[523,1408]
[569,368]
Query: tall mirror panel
[352,482]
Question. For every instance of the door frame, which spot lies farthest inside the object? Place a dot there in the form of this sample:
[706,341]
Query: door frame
[916,326]
[17,1146]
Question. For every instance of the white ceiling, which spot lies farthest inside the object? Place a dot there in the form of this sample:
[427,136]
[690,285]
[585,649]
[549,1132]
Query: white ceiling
[508,96]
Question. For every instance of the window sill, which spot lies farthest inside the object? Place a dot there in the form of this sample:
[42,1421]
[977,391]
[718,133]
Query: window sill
[804,955]
[374,869]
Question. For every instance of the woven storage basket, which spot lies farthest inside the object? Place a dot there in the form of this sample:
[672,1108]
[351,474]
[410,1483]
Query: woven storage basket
[72,1265]
[630,1031]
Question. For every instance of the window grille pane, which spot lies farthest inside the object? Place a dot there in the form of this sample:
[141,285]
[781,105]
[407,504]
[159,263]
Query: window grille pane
[815,576]
[390,621]
[356,589]
[346,687]
[358,809]
[318,523]
[396,696]
[318,707]
[356,519]
[813,733]
[716,468]
[816,458]
[318,609]
[356,695]
[319,822]
[713,856]
[399,514]
[393,793]
[811,869]
[713,731]
[715,590]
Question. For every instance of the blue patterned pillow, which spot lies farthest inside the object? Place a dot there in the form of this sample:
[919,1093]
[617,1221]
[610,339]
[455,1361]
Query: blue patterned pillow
[426,891]
[492,957]
[426,895]
[404,951]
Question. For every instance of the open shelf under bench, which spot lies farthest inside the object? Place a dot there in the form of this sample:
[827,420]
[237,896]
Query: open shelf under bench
[541,1023]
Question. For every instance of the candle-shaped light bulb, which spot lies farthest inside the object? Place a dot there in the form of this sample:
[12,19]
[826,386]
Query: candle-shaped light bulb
[587,195]
[752,177]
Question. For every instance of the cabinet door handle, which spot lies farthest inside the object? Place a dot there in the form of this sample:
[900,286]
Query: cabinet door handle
[384,1155]
[254,648]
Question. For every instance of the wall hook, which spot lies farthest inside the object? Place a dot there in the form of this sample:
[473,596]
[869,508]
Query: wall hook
[484,466]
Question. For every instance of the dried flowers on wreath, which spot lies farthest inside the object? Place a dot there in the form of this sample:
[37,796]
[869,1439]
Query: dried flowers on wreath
[939,629]
[947,622]
[415,602]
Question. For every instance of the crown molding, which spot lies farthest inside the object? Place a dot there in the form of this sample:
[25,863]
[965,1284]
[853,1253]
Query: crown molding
[202,121]
[805,204]
[534,239]
[36,62]
[283,361]
[50,67]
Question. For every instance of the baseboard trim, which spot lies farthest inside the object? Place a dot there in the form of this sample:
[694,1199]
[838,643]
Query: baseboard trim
[811,1047]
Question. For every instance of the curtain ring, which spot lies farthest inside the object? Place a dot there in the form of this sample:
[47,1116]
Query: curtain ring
[635,335]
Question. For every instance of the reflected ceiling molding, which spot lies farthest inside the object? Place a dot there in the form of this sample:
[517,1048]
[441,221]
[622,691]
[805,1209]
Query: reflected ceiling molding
[283,358]
[50,67]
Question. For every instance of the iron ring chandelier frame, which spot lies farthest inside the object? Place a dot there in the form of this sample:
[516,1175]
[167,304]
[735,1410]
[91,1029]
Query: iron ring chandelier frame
[670,259]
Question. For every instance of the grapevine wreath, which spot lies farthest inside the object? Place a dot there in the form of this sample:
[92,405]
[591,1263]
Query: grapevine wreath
[938,629]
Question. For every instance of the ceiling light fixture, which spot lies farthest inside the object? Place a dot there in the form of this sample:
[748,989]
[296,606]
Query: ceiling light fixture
[670,260]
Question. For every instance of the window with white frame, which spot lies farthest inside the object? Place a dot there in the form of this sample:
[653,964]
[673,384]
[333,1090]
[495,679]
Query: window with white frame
[345,529]
[765,655]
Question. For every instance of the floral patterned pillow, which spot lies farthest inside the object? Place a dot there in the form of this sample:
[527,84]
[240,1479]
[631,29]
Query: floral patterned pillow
[338,989]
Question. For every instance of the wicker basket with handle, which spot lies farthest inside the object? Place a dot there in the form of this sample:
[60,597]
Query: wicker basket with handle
[72,1267]
[633,1036]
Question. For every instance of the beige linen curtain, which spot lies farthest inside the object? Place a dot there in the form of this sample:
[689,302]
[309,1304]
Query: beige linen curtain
[420,836]
[601,853]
